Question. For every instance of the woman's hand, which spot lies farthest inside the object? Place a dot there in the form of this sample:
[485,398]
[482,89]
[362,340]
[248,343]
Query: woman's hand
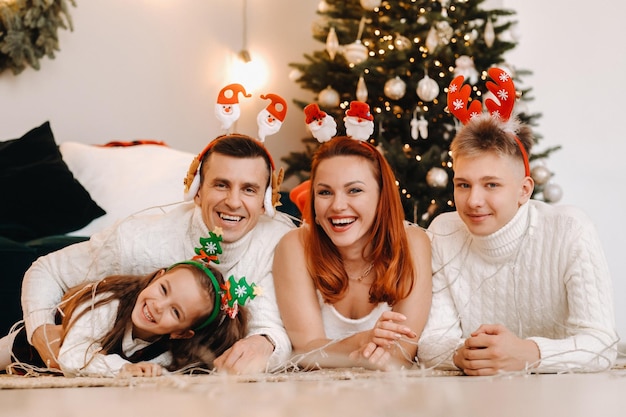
[142,369]
[385,334]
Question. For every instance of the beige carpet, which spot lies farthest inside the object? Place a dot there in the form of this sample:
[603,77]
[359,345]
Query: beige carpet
[48,381]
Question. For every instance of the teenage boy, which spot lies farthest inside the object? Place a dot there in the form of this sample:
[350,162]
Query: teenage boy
[517,284]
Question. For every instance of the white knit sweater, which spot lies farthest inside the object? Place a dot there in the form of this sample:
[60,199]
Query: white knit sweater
[146,242]
[543,275]
[80,353]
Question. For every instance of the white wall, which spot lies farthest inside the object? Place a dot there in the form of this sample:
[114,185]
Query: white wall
[577,55]
[152,69]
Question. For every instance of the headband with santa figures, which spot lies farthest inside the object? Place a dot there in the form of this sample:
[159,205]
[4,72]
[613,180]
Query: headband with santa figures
[269,121]
[358,121]
[503,89]
[359,124]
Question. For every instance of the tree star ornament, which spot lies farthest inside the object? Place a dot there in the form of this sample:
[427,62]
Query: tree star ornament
[209,248]
[236,293]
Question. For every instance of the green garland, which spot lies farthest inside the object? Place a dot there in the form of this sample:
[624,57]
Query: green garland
[28,31]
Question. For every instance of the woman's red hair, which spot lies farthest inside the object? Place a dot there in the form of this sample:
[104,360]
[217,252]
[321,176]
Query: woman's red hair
[391,255]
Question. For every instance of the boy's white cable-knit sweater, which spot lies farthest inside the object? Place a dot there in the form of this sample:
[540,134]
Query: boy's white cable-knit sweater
[147,242]
[543,275]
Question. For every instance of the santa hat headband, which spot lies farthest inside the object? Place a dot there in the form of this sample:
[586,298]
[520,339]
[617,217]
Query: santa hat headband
[503,89]
[358,121]
[269,120]
[359,124]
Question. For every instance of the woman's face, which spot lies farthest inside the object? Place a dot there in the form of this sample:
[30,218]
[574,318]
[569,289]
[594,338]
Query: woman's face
[346,195]
[170,305]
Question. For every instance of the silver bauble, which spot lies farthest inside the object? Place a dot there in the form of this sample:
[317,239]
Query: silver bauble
[540,174]
[355,53]
[552,193]
[328,97]
[370,4]
[402,43]
[437,178]
[395,88]
[295,74]
[427,89]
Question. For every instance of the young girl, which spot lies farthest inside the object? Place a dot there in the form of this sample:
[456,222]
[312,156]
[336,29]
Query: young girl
[138,325]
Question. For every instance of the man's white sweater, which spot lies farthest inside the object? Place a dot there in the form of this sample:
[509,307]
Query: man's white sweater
[144,243]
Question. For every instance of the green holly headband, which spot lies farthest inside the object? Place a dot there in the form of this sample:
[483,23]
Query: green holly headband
[228,296]
[216,306]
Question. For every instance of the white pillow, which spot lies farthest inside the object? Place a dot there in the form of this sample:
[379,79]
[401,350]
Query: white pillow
[126,180]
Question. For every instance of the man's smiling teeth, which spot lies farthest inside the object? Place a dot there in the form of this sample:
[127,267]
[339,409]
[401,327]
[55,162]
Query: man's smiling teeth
[230,218]
[341,222]
[147,313]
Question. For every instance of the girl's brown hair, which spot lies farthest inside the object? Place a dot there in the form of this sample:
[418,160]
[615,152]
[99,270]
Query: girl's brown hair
[391,256]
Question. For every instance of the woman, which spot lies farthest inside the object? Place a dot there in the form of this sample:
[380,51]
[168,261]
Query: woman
[353,284]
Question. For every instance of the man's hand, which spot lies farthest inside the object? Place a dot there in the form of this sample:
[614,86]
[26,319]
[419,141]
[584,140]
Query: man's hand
[493,348]
[249,355]
[47,340]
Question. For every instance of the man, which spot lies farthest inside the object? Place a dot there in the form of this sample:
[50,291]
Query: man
[233,177]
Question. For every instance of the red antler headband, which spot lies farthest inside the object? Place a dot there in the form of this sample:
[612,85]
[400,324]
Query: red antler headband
[503,89]
[269,121]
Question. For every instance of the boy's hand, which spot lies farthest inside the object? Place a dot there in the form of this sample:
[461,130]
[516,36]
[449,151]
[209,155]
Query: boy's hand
[492,348]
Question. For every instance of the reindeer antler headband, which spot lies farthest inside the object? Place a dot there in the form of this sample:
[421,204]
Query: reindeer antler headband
[503,89]
[269,121]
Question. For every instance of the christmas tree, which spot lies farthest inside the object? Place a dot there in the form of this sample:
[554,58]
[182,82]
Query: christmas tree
[399,56]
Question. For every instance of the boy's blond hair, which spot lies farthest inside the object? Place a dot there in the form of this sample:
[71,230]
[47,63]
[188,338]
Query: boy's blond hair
[486,133]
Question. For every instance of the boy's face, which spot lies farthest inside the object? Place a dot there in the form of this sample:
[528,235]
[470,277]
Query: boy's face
[488,190]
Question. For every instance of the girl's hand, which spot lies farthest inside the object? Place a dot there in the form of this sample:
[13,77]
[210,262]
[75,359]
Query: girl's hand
[141,369]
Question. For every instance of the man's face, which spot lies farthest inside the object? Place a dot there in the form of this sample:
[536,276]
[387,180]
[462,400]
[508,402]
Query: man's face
[488,190]
[231,194]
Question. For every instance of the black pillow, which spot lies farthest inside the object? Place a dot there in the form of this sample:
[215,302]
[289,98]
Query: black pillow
[40,196]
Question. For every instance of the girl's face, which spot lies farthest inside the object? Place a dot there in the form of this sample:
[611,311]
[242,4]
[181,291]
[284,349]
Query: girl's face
[171,304]
[346,195]
[488,190]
